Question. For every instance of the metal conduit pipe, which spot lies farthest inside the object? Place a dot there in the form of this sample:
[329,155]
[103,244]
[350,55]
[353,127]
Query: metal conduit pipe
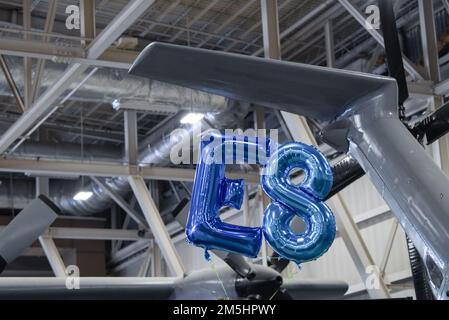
[68,151]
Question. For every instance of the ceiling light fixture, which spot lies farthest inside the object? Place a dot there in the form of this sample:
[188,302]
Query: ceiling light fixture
[192,118]
[82,195]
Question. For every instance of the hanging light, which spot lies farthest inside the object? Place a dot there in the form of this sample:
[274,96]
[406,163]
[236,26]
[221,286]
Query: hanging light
[82,195]
[192,118]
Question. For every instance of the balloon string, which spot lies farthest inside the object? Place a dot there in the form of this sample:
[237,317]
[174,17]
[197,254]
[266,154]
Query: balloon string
[212,264]
[271,298]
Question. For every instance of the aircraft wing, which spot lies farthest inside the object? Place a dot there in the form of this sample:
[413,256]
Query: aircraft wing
[89,288]
[300,289]
[315,92]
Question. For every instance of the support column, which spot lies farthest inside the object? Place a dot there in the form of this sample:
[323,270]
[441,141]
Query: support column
[361,19]
[156,224]
[53,256]
[12,84]
[146,202]
[121,202]
[88,25]
[329,40]
[46,242]
[156,266]
[27,61]
[270,29]
[432,65]
[429,40]
[40,66]
[131,143]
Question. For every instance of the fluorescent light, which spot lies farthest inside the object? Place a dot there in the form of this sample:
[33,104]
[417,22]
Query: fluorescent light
[192,118]
[82,195]
[116,104]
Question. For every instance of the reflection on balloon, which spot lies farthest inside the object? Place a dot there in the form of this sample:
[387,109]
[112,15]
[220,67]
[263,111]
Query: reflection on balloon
[212,190]
[303,200]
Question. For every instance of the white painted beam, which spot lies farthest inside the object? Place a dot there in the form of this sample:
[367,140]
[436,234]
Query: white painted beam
[156,224]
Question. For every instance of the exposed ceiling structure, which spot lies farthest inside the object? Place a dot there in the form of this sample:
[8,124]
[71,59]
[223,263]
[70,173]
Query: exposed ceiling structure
[75,89]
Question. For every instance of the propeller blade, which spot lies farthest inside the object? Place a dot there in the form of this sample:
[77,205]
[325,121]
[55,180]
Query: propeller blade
[311,91]
[123,288]
[235,261]
[263,286]
[278,263]
[298,289]
[25,228]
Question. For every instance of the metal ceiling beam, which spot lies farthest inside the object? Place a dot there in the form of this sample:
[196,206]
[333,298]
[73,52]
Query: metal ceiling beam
[357,248]
[100,169]
[329,41]
[49,21]
[161,16]
[27,61]
[88,26]
[309,31]
[112,58]
[446,5]
[46,242]
[378,37]
[206,9]
[131,138]
[367,44]
[270,29]
[105,169]
[225,23]
[96,234]
[429,40]
[12,84]
[301,22]
[53,256]
[146,202]
[46,101]
[121,202]
[156,224]
[258,24]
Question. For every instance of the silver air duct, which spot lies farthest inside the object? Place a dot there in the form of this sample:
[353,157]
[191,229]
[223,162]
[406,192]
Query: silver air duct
[155,154]
[155,149]
[117,87]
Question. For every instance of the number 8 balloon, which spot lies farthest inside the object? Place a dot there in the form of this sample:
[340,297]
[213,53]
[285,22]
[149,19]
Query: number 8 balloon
[304,200]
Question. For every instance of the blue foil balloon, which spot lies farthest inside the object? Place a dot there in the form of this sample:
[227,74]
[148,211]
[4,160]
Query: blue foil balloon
[212,190]
[303,200]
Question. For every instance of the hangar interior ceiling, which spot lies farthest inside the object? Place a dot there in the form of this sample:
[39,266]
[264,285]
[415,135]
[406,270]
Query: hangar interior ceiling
[77,140]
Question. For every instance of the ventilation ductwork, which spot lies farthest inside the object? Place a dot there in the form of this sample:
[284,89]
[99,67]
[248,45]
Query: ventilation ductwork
[157,153]
[124,91]
[154,150]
